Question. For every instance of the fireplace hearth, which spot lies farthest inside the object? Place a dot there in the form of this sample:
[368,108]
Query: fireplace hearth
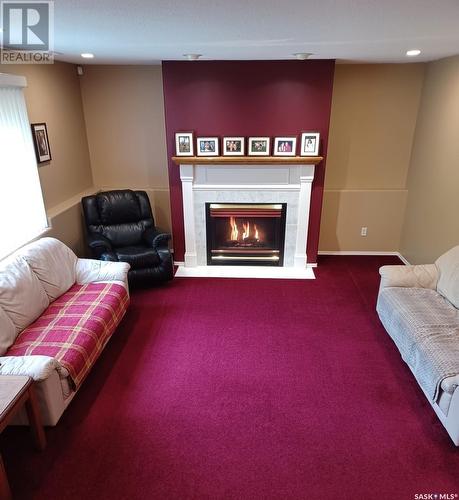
[245,233]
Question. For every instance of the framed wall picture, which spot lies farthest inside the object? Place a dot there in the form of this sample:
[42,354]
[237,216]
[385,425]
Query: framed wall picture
[310,144]
[41,142]
[207,146]
[285,146]
[184,144]
[259,146]
[233,146]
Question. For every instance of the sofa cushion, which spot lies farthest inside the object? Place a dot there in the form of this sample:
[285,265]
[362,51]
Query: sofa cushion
[75,327]
[53,263]
[7,332]
[22,296]
[448,282]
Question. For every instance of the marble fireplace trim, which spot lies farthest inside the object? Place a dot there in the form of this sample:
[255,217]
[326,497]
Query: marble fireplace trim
[289,184]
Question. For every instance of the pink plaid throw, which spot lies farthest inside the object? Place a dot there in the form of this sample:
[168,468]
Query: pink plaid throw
[75,328]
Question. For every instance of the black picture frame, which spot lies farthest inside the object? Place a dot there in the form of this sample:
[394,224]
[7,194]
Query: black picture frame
[41,142]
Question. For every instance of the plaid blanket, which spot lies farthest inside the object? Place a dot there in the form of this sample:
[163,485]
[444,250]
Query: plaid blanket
[425,328]
[75,327]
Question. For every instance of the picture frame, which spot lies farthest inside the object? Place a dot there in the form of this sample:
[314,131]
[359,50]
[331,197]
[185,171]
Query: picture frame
[41,142]
[285,146]
[259,146]
[184,144]
[310,142]
[233,146]
[207,146]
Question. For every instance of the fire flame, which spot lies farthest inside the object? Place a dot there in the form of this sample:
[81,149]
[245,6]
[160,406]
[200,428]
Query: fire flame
[234,231]
[245,234]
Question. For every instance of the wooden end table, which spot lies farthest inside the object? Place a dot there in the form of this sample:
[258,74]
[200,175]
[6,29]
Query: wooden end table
[15,392]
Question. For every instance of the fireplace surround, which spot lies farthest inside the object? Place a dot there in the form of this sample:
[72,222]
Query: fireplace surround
[241,181]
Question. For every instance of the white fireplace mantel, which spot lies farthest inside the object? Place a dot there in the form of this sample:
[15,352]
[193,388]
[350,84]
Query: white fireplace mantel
[247,179]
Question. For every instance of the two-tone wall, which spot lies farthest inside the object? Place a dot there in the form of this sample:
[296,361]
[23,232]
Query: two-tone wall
[390,163]
[373,117]
[248,98]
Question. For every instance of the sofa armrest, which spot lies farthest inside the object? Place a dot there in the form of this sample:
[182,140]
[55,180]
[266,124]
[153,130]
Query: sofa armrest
[156,237]
[418,276]
[36,367]
[93,271]
[450,384]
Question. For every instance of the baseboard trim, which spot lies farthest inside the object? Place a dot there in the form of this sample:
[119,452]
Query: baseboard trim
[403,259]
[363,252]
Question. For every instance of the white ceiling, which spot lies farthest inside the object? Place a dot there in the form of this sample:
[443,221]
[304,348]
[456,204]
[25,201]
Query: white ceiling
[142,31]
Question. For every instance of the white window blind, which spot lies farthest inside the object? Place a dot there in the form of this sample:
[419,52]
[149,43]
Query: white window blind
[22,211]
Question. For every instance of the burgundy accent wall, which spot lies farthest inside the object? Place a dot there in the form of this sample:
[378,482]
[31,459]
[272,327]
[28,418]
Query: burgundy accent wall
[247,98]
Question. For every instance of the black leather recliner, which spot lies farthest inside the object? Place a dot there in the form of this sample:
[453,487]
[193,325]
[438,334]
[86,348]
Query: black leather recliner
[120,227]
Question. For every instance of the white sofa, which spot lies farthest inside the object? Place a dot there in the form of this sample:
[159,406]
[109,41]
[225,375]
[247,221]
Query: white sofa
[419,307]
[30,281]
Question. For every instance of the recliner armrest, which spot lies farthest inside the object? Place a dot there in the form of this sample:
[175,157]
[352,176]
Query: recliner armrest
[156,237]
[99,244]
[418,276]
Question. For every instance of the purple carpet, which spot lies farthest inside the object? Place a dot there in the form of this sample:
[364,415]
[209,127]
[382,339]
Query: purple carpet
[245,389]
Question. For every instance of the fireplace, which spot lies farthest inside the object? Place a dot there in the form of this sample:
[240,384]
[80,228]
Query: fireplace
[246,181]
[245,233]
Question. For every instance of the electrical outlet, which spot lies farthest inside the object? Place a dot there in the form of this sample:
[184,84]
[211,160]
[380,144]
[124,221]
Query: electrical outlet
[363,231]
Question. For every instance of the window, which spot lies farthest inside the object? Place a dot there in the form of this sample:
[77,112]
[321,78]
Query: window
[22,211]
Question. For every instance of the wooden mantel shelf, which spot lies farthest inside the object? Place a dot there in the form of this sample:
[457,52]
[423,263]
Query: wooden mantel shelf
[244,160]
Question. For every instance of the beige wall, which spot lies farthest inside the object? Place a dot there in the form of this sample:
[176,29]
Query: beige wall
[68,226]
[431,226]
[373,118]
[53,96]
[124,112]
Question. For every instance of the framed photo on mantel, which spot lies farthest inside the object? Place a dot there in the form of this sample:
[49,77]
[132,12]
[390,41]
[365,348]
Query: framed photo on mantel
[233,146]
[285,146]
[310,144]
[184,144]
[259,146]
[207,146]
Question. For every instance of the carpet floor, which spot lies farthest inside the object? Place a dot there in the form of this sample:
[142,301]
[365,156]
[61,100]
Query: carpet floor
[245,389]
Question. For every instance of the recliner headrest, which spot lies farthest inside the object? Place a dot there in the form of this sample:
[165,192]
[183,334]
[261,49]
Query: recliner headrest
[118,207]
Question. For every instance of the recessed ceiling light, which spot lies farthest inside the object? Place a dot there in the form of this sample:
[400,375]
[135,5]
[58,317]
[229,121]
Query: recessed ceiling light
[87,55]
[192,57]
[413,53]
[302,55]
